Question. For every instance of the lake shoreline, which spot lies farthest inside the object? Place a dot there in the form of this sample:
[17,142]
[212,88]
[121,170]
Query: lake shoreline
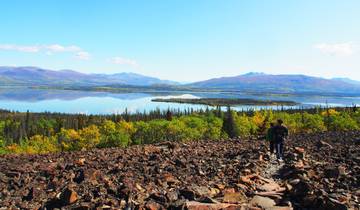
[226,101]
[175,89]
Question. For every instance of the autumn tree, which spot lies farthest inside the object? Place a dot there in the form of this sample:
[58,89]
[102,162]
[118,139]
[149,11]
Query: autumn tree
[89,137]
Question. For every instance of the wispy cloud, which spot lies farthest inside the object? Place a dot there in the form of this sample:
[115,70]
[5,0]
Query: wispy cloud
[337,49]
[30,49]
[60,48]
[48,49]
[124,61]
[82,55]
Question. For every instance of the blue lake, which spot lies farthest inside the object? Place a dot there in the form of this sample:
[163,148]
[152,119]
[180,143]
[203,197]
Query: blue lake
[66,101]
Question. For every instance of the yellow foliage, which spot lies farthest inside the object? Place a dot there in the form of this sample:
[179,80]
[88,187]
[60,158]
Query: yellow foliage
[41,144]
[258,118]
[90,137]
[330,112]
[69,139]
[107,127]
[127,127]
[13,148]
[29,150]
[73,134]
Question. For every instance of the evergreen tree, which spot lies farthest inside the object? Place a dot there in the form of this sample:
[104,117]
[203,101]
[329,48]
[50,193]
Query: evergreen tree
[229,123]
[168,115]
[27,124]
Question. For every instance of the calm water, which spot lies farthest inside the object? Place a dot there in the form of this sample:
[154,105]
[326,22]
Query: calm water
[108,103]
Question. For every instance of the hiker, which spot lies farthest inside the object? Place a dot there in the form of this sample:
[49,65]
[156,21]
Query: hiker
[270,138]
[280,132]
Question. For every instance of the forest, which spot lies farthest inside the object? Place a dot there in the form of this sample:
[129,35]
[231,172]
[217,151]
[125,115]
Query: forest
[226,101]
[34,133]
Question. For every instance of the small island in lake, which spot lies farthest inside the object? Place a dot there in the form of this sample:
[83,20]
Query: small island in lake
[226,101]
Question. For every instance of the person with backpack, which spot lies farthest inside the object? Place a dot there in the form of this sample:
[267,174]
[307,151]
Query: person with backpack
[270,138]
[280,133]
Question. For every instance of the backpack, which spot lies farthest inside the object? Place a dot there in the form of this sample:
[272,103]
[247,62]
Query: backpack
[280,132]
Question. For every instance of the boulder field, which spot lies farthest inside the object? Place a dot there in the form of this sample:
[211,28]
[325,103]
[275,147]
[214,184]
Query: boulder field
[320,171]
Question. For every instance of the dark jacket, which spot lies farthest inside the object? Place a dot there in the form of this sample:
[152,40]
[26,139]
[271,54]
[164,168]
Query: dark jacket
[270,134]
[280,133]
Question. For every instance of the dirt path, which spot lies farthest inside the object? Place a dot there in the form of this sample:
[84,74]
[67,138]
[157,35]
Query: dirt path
[271,171]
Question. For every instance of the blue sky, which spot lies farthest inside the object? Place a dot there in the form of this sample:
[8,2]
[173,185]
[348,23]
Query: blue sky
[184,40]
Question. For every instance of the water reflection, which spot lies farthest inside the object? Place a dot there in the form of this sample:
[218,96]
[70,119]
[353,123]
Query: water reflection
[39,100]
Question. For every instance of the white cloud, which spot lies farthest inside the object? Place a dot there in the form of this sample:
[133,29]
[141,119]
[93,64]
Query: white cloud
[32,49]
[48,49]
[124,61]
[82,55]
[338,49]
[60,48]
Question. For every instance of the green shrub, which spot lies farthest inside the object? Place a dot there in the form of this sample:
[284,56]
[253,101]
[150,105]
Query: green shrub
[195,127]
[312,123]
[214,125]
[2,147]
[245,126]
[140,135]
[342,122]
[2,139]
[356,117]
[115,134]
[176,130]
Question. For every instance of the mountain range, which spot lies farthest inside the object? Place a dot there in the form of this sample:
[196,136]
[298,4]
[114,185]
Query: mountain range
[347,80]
[260,82]
[251,82]
[33,76]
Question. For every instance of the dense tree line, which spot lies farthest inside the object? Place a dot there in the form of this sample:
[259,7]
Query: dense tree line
[50,132]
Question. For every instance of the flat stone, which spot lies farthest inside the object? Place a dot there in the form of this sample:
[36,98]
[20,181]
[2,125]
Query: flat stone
[237,197]
[262,202]
[279,208]
[151,205]
[194,205]
[201,190]
[269,187]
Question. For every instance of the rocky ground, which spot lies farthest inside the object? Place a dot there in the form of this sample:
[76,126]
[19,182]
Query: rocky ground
[321,171]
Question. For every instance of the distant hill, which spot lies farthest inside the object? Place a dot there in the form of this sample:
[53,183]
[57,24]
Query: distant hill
[260,82]
[29,76]
[250,82]
[347,80]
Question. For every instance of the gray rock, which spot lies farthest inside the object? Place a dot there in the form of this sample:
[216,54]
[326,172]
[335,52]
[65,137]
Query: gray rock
[262,202]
